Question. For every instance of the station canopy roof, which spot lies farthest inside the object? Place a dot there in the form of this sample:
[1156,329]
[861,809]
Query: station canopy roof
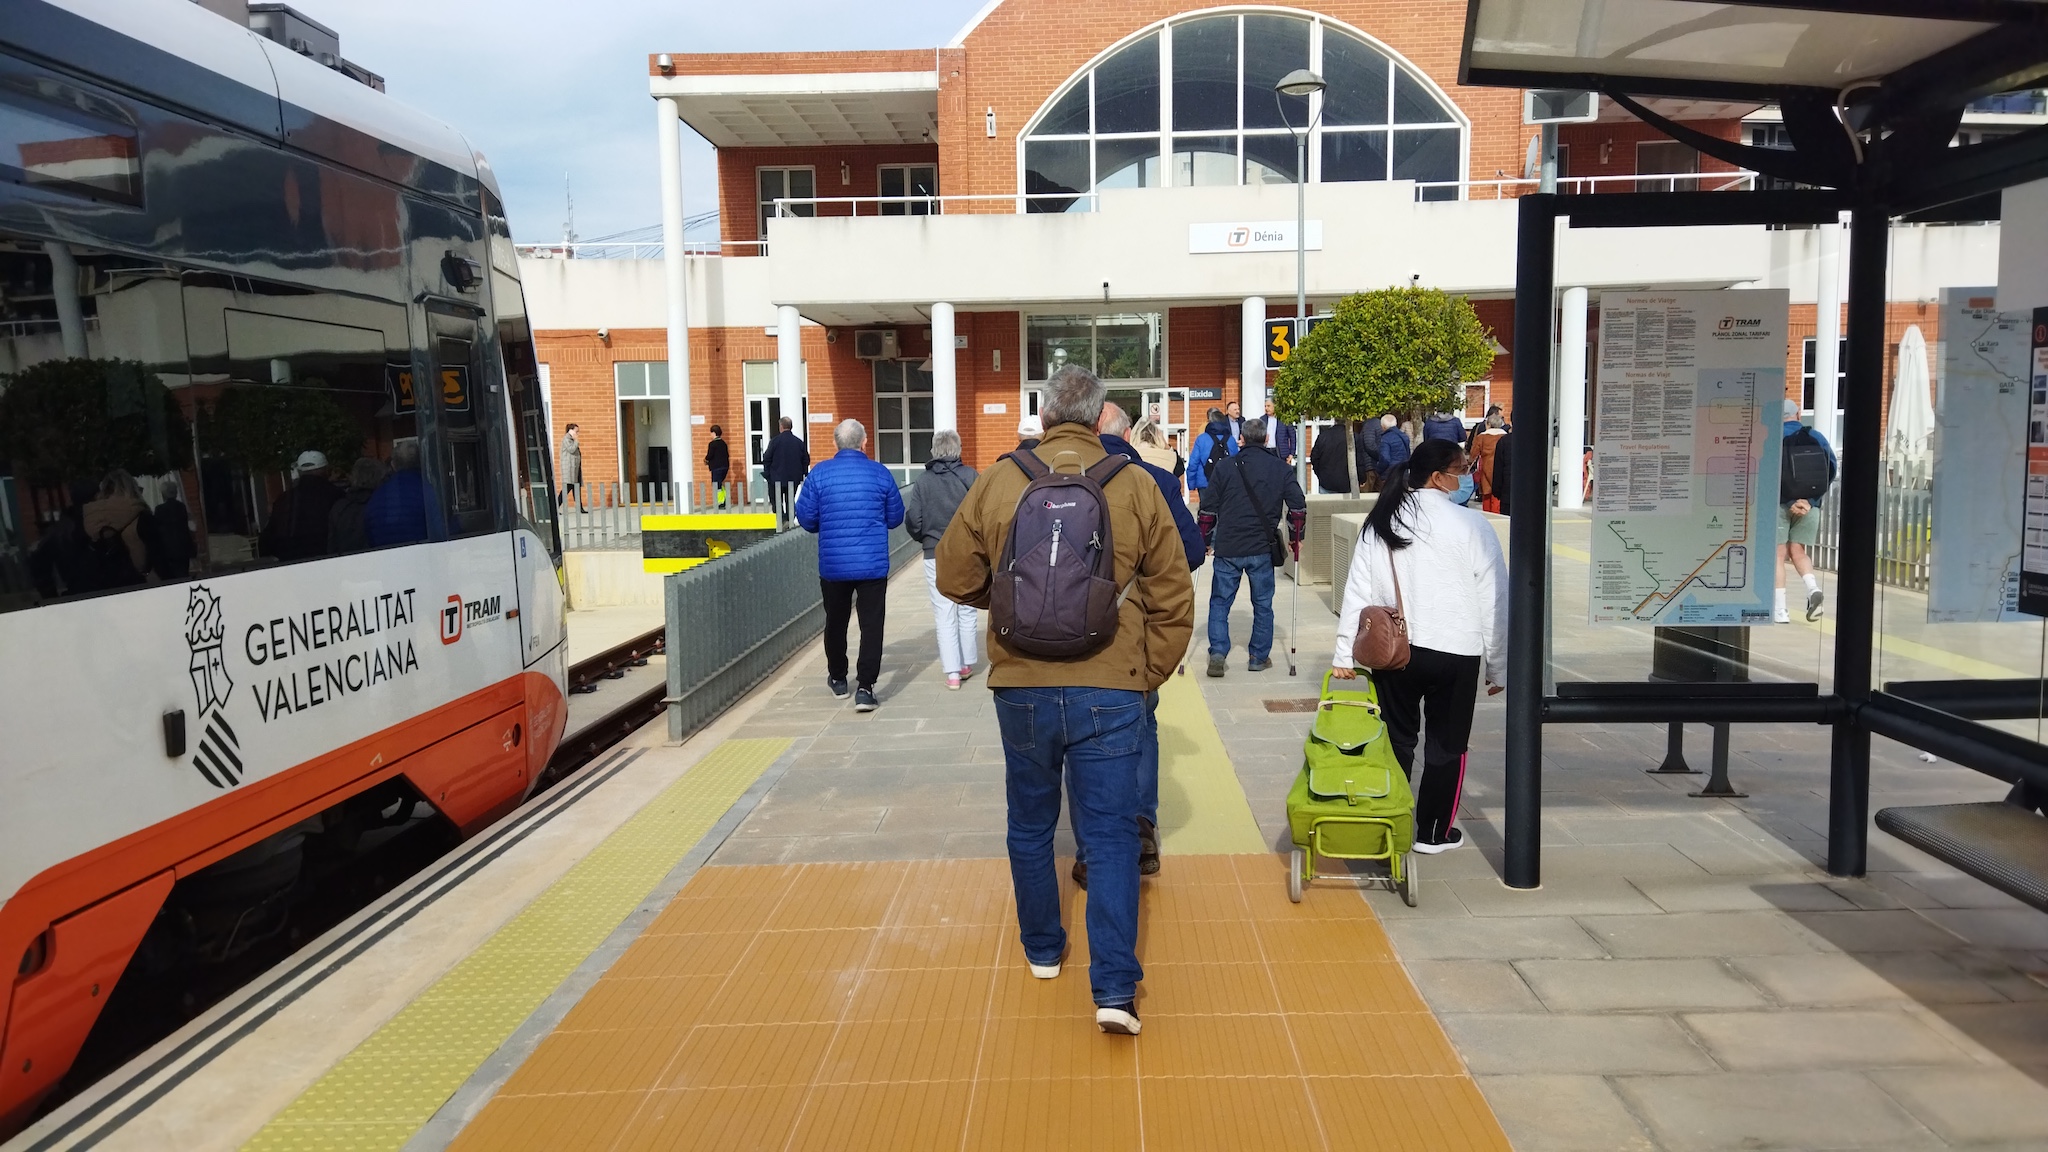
[766,110]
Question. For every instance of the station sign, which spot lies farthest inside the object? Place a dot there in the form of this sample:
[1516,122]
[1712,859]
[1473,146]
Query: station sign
[1281,338]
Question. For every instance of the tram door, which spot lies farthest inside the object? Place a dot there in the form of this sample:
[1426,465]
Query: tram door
[1168,407]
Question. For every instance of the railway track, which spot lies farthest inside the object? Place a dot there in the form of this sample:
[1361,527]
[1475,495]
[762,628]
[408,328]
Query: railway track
[629,713]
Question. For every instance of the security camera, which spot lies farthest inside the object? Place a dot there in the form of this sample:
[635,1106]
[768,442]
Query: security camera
[1414,278]
[604,333]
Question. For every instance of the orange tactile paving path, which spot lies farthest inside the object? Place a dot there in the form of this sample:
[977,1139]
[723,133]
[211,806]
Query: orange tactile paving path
[887,1006]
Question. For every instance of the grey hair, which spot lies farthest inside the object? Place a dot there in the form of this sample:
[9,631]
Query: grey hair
[1073,396]
[1255,433]
[945,444]
[1114,421]
[1493,420]
[849,433]
[366,474]
[405,454]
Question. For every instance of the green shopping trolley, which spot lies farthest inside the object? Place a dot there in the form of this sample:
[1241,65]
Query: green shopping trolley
[1351,800]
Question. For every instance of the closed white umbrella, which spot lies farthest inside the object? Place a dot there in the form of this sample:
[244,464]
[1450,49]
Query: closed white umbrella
[1909,434]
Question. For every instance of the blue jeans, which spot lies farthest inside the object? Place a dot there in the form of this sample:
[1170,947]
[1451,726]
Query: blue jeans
[1148,773]
[1098,734]
[1223,575]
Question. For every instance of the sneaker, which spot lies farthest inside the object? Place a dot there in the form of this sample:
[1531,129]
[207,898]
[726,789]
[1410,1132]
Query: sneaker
[1259,665]
[1813,603]
[1148,848]
[1081,874]
[838,687]
[1216,667]
[1046,971]
[967,673]
[1781,617]
[864,700]
[1117,1019]
[953,681]
[1455,838]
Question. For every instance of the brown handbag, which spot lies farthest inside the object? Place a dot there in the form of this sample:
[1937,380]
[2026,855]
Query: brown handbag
[1381,644]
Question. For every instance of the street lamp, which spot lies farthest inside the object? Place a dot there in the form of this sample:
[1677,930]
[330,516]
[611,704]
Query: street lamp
[1300,83]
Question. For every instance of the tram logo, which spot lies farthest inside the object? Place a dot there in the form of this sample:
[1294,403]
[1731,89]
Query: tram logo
[218,756]
[451,620]
[460,613]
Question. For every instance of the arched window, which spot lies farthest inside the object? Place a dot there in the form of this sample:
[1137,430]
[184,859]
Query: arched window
[1191,102]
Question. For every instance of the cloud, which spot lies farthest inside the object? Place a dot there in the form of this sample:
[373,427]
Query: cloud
[549,89]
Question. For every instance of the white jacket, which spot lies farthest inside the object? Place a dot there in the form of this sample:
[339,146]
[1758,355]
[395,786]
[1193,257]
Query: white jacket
[1453,583]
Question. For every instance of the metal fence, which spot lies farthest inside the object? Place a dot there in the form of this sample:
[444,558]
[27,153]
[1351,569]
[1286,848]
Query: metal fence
[1905,535]
[609,515]
[732,621]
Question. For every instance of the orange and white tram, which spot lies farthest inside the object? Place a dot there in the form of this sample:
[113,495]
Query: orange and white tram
[278,561]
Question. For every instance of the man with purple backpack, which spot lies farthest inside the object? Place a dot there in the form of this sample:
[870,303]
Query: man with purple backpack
[1078,561]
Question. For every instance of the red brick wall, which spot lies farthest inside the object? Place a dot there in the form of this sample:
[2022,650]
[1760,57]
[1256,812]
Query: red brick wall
[739,190]
[1201,352]
[1619,139]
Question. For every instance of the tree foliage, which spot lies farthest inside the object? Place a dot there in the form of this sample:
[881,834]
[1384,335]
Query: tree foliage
[1401,350]
[265,428]
[65,421]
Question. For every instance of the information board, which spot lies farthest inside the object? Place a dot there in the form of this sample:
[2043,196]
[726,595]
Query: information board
[1691,391]
[2033,598]
[1980,431]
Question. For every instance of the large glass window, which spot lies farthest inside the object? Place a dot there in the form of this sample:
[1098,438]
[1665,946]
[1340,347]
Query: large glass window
[644,433]
[903,416]
[1223,123]
[1119,346]
[793,183]
[909,180]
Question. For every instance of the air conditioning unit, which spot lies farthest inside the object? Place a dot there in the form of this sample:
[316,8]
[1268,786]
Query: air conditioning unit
[875,344]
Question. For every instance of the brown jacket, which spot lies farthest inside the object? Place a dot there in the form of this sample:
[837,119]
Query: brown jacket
[1483,447]
[1157,618]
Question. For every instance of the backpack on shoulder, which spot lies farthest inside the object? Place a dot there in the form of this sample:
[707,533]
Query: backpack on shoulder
[1055,590]
[1804,470]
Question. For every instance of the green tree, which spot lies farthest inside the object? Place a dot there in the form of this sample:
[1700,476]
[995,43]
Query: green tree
[1400,350]
[265,428]
[63,421]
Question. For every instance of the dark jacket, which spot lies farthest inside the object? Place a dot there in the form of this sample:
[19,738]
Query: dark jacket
[1169,487]
[1254,483]
[1503,473]
[1445,428]
[1392,452]
[1280,437]
[851,502]
[397,511]
[1326,458]
[1834,465]
[933,500]
[786,459]
[172,554]
[717,459]
[298,521]
[347,527]
[1199,452]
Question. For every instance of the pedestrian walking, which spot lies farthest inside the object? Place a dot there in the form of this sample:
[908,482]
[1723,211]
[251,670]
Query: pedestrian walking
[570,461]
[718,462]
[1151,443]
[1806,469]
[927,511]
[1444,426]
[1234,413]
[1392,451]
[1326,459]
[785,462]
[1241,512]
[1028,431]
[1440,567]
[1211,448]
[850,502]
[347,532]
[297,528]
[1070,662]
[1486,444]
[1280,435]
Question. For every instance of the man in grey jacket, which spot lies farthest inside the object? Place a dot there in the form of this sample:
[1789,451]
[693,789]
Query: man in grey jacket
[933,500]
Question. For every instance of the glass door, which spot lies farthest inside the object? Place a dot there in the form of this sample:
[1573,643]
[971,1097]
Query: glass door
[1168,408]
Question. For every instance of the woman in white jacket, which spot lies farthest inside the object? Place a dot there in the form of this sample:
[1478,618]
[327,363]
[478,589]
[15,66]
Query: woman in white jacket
[1453,591]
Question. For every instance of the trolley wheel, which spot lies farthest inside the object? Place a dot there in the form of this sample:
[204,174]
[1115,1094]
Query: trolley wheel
[1410,884]
[1295,864]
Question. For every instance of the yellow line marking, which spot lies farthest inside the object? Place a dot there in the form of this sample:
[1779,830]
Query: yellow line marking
[382,1093]
[1571,553]
[1202,807]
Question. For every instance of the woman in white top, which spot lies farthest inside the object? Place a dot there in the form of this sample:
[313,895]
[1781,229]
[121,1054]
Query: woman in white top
[1453,590]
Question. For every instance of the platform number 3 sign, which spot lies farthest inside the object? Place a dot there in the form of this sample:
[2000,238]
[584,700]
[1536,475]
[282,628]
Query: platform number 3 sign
[1281,340]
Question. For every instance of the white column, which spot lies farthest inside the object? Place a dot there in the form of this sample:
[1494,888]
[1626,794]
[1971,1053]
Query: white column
[789,366]
[1254,356]
[64,284]
[682,449]
[1571,399]
[1827,332]
[945,387]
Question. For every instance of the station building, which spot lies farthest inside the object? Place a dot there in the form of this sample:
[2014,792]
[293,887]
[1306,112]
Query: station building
[916,239]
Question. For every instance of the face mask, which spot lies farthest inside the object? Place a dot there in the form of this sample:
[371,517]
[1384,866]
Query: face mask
[1465,490]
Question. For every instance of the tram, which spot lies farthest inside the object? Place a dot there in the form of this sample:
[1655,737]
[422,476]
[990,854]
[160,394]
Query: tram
[278,561]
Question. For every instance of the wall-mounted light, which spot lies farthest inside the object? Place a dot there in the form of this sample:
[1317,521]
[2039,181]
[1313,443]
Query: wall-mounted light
[997,366]
[845,173]
[990,121]
[665,62]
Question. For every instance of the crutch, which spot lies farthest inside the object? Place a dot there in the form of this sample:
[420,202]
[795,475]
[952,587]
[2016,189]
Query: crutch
[1293,606]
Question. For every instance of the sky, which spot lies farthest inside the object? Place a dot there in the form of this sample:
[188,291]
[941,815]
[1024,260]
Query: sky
[549,89]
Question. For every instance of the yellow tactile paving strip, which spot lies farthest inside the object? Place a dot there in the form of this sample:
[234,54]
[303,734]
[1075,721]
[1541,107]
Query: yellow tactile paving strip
[1202,808]
[392,1084]
[886,1006]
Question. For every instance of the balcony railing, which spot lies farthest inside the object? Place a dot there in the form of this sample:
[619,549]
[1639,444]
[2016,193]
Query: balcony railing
[637,250]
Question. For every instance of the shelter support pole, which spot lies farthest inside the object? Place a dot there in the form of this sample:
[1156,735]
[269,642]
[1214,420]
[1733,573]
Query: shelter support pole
[1856,563]
[945,388]
[1528,539]
[668,134]
[789,367]
[1252,351]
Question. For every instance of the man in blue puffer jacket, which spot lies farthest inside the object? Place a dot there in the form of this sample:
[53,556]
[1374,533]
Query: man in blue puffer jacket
[851,502]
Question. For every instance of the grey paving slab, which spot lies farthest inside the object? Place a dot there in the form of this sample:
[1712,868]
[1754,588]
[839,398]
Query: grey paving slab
[2008,927]
[1785,892]
[1813,1110]
[1493,938]
[2018,1033]
[1563,1114]
[1604,985]
[1962,892]
[1821,1038]
[1473,986]
[1698,934]
[1631,860]
[1437,900]
[1596,1045]
[1812,979]
[1878,931]
[1973,1105]
[1559,896]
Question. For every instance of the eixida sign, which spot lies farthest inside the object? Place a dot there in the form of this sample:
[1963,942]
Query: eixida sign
[1251,236]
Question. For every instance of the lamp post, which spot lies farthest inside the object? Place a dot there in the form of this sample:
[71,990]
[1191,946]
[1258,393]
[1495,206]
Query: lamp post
[1302,83]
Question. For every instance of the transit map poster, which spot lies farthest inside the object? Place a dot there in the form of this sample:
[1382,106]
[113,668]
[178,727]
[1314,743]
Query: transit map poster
[2034,545]
[1980,432]
[1686,432]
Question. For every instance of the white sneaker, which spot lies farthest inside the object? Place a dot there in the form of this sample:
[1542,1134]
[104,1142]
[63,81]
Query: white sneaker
[1813,602]
[1781,617]
[1046,971]
[1121,1021]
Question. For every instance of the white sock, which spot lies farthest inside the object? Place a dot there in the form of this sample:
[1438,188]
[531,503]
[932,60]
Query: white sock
[1778,604]
[1812,582]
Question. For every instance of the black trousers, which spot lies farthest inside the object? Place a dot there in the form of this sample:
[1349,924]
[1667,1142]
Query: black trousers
[1438,689]
[843,600]
[782,499]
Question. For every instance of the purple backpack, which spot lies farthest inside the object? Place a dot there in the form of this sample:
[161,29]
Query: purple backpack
[1055,589]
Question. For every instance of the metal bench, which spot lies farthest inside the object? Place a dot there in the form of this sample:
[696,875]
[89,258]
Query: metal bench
[2000,843]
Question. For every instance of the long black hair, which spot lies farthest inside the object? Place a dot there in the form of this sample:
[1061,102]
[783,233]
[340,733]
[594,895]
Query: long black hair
[1430,458]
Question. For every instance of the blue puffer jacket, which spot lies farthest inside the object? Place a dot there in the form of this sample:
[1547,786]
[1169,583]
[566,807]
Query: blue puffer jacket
[851,502]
